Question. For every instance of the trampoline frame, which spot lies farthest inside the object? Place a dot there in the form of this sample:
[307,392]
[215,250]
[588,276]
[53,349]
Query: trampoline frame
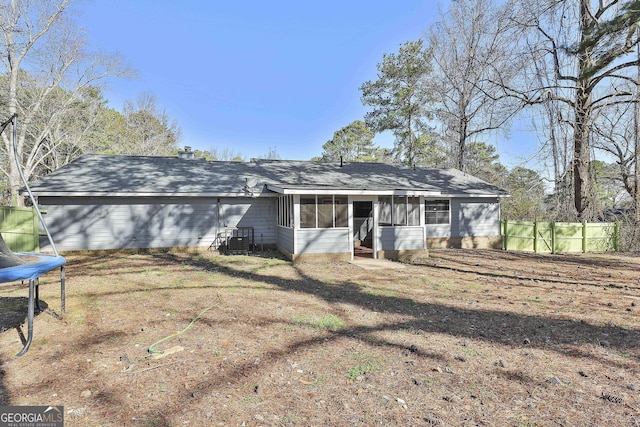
[32,271]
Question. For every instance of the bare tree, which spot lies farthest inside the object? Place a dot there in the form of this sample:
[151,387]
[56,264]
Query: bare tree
[552,125]
[43,52]
[615,133]
[226,154]
[272,154]
[588,45]
[149,132]
[469,45]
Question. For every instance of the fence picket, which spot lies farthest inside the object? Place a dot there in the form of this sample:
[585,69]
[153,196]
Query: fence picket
[20,229]
[554,237]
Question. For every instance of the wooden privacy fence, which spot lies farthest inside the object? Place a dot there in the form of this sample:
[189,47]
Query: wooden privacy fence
[555,237]
[19,228]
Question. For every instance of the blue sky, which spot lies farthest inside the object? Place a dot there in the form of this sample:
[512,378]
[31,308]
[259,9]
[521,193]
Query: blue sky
[250,76]
[253,75]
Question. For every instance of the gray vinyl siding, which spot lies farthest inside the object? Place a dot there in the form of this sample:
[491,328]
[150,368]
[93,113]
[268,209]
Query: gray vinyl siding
[475,217]
[94,223]
[285,239]
[259,213]
[438,230]
[322,240]
[402,238]
[469,218]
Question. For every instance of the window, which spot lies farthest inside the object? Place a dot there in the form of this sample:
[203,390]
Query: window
[437,212]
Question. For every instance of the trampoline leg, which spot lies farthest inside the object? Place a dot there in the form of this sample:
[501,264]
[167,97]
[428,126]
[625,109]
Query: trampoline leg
[30,314]
[62,289]
[37,299]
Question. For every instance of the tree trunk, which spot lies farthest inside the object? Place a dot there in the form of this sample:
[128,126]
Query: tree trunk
[582,125]
[411,155]
[13,173]
[15,180]
[636,164]
[462,140]
[636,135]
[581,182]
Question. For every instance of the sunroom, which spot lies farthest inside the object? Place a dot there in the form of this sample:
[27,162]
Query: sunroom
[341,225]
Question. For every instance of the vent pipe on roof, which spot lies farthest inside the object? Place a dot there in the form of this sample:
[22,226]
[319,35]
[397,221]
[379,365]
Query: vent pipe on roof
[187,153]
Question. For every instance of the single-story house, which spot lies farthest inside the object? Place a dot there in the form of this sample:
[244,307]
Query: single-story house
[304,209]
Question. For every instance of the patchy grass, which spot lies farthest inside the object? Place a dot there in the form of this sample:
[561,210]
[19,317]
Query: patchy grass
[466,337]
[366,364]
[328,321]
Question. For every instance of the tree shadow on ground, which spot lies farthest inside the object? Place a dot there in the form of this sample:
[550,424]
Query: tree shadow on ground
[499,327]
[567,336]
[421,318]
[448,260]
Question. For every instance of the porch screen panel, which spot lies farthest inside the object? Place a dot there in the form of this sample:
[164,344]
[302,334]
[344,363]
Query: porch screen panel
[399,210]
[291,210]
[325,212]
[413,210]
[341,211]
[285,211]
[384,210]
[289,203]
[307,212]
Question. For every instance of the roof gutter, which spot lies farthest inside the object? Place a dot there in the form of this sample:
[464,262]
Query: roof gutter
[144,194]
[353,192]
[475,196]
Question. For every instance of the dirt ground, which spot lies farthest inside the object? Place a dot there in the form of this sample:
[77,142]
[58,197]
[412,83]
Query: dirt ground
[463,338]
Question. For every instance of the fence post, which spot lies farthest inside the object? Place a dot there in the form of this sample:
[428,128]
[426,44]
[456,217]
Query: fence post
[505,237]
[584,237]
[553,237]
[535,236]
[616,237]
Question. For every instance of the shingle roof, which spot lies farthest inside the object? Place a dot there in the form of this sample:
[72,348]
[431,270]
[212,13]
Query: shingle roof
[138,175]
[374,176]
[98,174]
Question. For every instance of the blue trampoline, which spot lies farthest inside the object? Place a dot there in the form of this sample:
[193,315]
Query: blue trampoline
[22,266]
[37,265]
